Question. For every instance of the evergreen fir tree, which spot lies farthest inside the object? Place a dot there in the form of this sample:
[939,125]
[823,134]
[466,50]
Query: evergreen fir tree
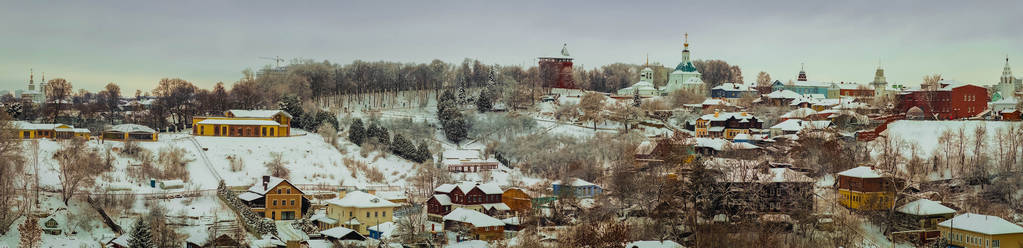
[140,236]
[383,136]
[356,132]
[403,148]
[423,153]
[456,129]
[484,103]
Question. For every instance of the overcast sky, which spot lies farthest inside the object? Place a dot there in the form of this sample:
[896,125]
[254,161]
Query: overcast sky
[135,43]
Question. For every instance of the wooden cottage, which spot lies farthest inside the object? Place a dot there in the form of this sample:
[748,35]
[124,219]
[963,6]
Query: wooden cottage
[581,188]
[276,198]
[864,188]
[481,226]
[359,210]
[125,132]
[924,214]
[244,123]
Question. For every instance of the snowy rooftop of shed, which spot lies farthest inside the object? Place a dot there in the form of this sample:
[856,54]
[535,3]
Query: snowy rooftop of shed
[238,122]
[131,128]
[925,207]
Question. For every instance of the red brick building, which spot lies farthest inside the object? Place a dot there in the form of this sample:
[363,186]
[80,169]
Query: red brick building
[949,101]
[556,71]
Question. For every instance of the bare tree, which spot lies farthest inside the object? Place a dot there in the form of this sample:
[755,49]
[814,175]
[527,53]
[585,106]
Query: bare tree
[79,166]
[57,92]
[275,167]
[592,106]
[11,168]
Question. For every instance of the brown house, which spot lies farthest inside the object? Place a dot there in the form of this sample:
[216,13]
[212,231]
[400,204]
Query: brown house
[471,195]
[276,198]
[480,226]
[517,200]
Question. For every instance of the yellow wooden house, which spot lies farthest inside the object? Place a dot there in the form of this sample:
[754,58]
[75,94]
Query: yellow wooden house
[244,123]
[865,188]
[276,198]
[978,230]
[359,210]
[124,132]
[28,130]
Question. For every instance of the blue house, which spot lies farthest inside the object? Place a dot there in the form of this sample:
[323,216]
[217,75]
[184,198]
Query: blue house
[384,230]
[582,188]
[730,90]
[802,87]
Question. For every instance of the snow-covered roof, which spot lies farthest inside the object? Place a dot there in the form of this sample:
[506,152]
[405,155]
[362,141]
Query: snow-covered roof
[359,199]
[720,144]
[983,224]
[733,87]
[24,125]
[337,232]
[386,229]
[715,102]
[477,219]
[497,206]
[576,182]
[247,122]
[742,136]
[443,199]
[274,181]
[654,244]
[795,125]
[121,240]
[131,128]
[725,115]
[771,175]
[693,80]
[861,172]
[925,207]
[249,196]
[783,94]
[242,113]
[466,186]
[799,113]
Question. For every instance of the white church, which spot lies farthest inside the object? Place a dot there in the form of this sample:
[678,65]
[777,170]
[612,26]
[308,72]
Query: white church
[685,77]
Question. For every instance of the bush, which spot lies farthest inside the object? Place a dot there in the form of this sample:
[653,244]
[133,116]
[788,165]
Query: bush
[356,132]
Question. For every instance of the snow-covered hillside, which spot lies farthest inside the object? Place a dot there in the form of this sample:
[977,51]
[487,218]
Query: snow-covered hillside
[925,133]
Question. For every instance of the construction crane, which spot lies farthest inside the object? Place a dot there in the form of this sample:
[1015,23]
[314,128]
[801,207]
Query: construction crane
[276,59]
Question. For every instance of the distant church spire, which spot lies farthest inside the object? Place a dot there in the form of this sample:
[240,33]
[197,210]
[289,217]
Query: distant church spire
[1006,71]
[31,79]
[802,73]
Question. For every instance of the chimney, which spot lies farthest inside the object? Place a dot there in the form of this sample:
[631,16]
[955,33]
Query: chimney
[266,182]
[743,113]
[341,193]
[372,192]
[717,113]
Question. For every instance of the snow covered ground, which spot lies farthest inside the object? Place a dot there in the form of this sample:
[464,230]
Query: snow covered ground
[925,133]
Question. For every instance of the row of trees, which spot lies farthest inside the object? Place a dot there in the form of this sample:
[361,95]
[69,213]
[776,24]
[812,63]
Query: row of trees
[381,138]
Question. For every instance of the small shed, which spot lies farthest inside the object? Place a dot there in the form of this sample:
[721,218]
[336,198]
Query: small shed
[172,184]
[50,225]
[342,233]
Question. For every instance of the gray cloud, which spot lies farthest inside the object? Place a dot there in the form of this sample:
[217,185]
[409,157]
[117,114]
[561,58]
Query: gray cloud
[137,43]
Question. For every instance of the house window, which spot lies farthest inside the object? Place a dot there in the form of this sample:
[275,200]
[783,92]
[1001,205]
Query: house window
[275,202]
[996,243]
[278,191]
[349,213]
[289,190]
[375,214]
[293,202]
[367,214]
[385,214]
